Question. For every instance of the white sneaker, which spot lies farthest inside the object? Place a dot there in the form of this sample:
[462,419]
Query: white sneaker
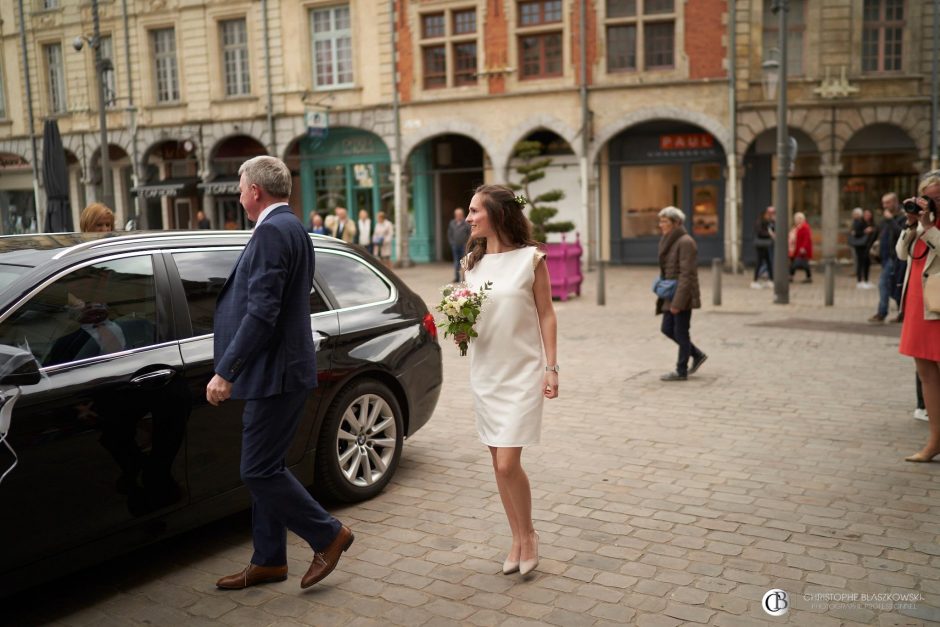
[859,286]
[921,414]
[869,286]
[755,285]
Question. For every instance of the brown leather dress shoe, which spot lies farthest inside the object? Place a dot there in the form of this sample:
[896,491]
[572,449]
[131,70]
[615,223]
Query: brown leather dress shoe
[325,561]
[252,576]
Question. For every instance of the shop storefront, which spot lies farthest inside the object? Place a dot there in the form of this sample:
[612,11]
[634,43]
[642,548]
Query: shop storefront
[655,165]
[17,202]
[221,193]
[349,168]
[170,194]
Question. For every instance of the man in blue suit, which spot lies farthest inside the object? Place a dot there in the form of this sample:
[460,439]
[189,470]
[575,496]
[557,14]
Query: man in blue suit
[264,353]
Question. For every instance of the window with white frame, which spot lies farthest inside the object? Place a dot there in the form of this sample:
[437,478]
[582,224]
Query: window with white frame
[641,35]
[55,74]
[882,35]
[234,36]
[48,5]
[796,25]
[166,73]
[110,81]
[449,48]
[332,47]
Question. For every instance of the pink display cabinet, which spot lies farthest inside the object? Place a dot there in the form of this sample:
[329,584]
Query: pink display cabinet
[564,267]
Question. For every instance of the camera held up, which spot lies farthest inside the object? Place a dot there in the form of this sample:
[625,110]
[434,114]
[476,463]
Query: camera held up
[911,206]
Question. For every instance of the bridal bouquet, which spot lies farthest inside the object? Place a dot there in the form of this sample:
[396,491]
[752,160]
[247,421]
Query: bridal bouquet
[462,306]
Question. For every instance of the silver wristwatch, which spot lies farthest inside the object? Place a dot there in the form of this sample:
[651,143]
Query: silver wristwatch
[552,368]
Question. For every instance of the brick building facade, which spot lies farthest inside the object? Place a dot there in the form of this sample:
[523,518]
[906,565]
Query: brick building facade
[473,78]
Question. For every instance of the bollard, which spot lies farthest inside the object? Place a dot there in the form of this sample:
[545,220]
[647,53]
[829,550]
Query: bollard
[830,282]
[716,281]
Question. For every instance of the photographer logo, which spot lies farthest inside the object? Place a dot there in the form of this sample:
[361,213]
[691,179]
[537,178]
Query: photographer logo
[776,602]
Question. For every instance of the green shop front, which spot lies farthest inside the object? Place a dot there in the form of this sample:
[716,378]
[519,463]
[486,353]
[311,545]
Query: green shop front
[348,168]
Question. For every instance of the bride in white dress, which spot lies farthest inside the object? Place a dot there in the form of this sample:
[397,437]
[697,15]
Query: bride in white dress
[513,364]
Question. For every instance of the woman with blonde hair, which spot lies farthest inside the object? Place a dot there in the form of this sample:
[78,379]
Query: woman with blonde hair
[920,335]
[96,218]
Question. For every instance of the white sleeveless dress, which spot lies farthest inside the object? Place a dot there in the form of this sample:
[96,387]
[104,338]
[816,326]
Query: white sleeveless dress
[507,366]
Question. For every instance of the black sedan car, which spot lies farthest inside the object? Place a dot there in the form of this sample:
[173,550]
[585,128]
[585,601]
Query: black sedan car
[115,446]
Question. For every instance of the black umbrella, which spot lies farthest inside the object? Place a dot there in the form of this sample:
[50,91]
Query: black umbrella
[55,176]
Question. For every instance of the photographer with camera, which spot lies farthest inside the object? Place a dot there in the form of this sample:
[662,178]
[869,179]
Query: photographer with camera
[919,244]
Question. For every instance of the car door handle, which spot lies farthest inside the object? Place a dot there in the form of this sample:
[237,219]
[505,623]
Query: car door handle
[157,376]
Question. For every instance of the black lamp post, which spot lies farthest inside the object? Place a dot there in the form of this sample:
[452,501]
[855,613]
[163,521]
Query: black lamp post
[101,66]
[775,81]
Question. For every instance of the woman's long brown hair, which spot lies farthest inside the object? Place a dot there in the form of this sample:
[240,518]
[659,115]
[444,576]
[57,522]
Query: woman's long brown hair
[508,219]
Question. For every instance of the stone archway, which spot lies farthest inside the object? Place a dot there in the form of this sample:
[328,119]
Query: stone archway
[442,172]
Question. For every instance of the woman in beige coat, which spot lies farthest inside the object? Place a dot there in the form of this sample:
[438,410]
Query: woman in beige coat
[678,260]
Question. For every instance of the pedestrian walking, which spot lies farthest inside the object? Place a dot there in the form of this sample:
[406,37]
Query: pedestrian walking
[887,237]
[678,261]
[920,333]
[920,411]
[764,246]
[316,225]
[264,354]
[861,235]
[364,231]
[202,221]
[382,238]
[509,377]
[800,243]
[341,226]
[458,232]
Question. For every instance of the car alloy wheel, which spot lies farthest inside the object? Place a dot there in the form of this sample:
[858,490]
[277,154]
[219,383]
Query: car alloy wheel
[365,440]
[360,442]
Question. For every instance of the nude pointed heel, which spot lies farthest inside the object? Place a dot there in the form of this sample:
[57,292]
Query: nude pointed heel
[510,566]
[527,566]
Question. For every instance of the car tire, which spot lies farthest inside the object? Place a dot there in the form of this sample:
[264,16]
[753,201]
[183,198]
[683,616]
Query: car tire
[360,442]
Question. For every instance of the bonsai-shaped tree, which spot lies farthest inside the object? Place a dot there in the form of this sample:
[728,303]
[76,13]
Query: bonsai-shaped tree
[532,169]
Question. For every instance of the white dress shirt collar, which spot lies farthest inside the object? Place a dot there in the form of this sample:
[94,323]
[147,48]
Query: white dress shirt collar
[267,210]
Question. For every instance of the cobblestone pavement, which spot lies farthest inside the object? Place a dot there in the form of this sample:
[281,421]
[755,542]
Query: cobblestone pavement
[778,466]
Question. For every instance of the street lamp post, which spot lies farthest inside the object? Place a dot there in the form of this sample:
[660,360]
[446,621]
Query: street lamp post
[101,66]
[775,80]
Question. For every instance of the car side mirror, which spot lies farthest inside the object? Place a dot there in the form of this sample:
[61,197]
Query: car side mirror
[18,367]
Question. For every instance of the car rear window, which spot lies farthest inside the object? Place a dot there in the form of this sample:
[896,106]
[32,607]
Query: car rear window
[353,282]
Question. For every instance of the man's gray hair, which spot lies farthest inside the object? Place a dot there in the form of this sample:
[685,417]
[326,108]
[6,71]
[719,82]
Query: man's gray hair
[673,213]
[269,173]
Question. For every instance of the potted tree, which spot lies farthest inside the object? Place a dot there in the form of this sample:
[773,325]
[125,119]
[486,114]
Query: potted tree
[563,258]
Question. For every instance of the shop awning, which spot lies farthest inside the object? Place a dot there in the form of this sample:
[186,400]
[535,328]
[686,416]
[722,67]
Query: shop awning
[221,187]
[170,187]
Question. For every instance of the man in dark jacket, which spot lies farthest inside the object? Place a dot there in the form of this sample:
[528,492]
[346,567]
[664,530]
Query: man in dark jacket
[678,260]
[264,354]
[887,239]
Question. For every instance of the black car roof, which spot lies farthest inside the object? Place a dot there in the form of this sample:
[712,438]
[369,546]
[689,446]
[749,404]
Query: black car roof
[35,250]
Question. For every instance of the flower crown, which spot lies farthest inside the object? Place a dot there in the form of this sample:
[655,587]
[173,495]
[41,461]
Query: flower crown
[522,201]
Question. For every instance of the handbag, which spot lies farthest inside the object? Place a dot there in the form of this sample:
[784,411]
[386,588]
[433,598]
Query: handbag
[874,253]
[665,288]
[932,293]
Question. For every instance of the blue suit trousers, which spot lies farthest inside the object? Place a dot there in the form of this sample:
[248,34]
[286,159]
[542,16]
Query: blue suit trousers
[279,501]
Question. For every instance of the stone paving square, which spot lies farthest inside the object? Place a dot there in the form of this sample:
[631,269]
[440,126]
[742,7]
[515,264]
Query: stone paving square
[777,466]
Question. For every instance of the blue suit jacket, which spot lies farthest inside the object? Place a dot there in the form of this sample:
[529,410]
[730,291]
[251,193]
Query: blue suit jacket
[263,340]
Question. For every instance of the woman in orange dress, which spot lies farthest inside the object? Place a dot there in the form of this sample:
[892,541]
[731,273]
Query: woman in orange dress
[919,245]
